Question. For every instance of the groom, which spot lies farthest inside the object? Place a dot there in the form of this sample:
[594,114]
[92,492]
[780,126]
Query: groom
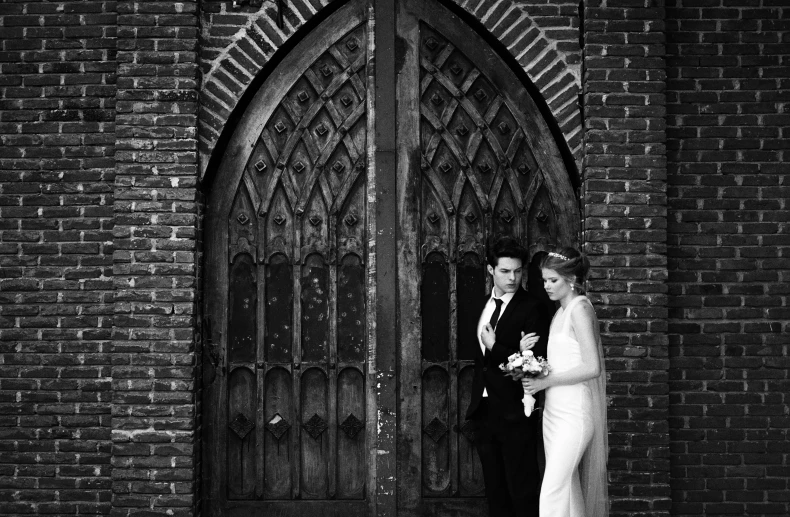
[506,440]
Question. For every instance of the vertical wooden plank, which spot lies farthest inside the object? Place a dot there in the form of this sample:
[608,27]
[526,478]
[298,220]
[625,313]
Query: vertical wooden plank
[452,369]
[260,422]
[386,263]
[409,468]
[332,369]
[371,393]
[296,372]
[215,393]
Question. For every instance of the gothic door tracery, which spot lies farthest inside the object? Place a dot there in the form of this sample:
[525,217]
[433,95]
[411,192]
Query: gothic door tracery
[287,266]
[476,161]
[290,416]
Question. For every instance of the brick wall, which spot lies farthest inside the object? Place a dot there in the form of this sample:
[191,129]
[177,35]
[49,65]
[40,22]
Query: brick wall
[728,139]
[98,387]
[624,195]
[155,439]
[57,111]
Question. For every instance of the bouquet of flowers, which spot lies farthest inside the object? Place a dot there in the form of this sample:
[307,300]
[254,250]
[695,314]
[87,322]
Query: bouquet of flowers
[523,364]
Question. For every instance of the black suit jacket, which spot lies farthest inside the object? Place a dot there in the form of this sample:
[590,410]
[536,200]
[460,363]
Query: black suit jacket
[525,313]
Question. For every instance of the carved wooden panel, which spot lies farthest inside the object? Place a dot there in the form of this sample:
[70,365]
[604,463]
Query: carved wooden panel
[279,417]
[290,409]
[479,179]
[290,255]
[350,416]
[435,308]
[470,482]
[242,406]
[436,432]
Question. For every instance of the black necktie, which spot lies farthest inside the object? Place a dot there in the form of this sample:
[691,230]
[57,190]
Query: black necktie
[495,317]
[497,310]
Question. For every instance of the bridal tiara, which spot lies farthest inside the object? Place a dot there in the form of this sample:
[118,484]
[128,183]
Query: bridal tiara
[558,255]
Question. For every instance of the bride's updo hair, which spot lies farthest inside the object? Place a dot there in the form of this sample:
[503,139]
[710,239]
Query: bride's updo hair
[569,264]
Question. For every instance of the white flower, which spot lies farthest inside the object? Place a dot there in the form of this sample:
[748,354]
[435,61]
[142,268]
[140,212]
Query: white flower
[518,362]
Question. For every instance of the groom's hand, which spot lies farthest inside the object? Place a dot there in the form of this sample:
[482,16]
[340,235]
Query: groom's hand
[528,341]
[488,337]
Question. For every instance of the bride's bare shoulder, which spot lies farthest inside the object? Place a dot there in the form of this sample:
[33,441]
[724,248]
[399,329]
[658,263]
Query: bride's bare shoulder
[583,314]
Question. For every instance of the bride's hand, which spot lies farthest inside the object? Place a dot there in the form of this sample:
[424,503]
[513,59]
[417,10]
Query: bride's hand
[528,341]
[533,385]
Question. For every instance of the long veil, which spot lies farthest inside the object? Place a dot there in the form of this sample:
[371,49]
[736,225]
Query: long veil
[592,469]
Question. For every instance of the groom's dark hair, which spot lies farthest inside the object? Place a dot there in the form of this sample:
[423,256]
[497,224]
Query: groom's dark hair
[506,247]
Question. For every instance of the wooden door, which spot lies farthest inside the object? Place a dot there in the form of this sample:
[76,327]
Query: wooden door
[297,399]
[287,404]
[476,161]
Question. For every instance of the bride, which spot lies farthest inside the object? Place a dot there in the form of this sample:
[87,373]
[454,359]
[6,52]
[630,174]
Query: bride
[574,417]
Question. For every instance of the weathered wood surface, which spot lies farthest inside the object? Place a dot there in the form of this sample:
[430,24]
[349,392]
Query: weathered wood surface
[346,239]
[288,231]
[476,161]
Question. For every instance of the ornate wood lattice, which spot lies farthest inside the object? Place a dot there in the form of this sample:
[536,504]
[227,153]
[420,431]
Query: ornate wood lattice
[290,412]
[486,168]
[296,234]
[479,180]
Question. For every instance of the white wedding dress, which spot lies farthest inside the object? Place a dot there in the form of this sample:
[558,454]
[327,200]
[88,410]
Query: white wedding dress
[573,432]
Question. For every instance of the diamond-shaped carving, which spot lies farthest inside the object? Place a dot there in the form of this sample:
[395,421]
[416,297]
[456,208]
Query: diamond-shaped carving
[279,126]
[302,96]
[350,220]
[325,70]
[321,129]
[455,69]
[504,128]
[523,169]
[260,166]
[433,217]
[279,219]
[470,217]
[277,426]
[241,425]
[315,220]
[338,167]
[346,100]
[352,426]
[462,130]
[506,215]
[243,219]
[352,44]
[485,168]
[468,430]
[435,429]
[542,216]
[436,99]
[445,167]
[298,167]
[481,95]
[431,43]
[315,426]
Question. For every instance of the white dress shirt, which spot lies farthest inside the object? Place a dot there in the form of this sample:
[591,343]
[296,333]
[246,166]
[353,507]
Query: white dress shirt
[485,318]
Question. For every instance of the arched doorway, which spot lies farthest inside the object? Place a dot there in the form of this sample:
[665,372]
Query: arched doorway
[293,408]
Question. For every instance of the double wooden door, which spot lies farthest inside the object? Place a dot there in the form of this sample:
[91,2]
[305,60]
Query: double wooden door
[295,387]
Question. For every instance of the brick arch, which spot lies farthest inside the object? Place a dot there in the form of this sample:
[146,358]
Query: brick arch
[230,74]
